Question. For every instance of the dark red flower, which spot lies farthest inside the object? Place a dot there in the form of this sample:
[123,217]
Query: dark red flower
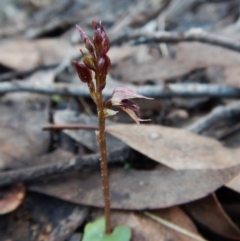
[121,98]
[84,73]
[103,64]
[100,38]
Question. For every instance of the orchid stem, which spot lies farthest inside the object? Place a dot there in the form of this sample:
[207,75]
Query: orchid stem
[104,168]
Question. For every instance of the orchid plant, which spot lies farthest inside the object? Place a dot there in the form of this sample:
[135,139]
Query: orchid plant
[96,61]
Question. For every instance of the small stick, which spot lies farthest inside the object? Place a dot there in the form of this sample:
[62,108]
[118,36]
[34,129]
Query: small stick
[217,114]
[160,91]
[69,127]
[175,37]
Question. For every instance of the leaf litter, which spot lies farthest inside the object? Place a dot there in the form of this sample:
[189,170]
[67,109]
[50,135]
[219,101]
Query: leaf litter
[39,35]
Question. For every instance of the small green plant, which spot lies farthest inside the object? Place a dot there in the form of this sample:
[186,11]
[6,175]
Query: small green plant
[96,232]
[95,60]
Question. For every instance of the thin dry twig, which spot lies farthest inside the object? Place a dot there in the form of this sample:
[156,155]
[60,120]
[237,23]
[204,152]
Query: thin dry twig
[175,37]
[160,91]
[75,164]
[217,114]
[70,127]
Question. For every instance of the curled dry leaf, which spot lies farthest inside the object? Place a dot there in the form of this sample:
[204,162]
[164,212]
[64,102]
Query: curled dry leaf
[11,198]
[177,149]
[136,190]
[209,212]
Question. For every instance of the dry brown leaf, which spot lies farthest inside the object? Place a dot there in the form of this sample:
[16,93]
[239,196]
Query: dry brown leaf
[234,184]
[175,148]
[188,57]
[232,75]
[23,55]
[136,190]
[11,198]
[176,216]
[209,212]
[144,228]
[21,120]
[154,69]
[117,54]
[174,227]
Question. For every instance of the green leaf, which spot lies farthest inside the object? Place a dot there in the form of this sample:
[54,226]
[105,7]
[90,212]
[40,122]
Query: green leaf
[95,232]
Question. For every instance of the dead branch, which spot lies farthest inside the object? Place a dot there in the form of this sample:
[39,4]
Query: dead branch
[176,37]
[217,114]
[75,164]
[160,91]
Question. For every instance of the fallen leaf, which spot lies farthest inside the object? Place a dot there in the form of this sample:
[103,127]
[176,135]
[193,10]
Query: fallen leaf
[173,226]
[11,198]
[136,190]
[188,57]
[231,75]
[234,184]
[176,216]
[24,55]
[175,148]
[21,120]
[209,212]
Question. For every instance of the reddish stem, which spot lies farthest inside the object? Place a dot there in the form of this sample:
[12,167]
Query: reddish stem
[104,167]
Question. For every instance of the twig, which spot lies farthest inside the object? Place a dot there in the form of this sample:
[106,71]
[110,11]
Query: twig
[175,37]
[19,73]
[70,127]
[76,163]
[160,91]
[216,115]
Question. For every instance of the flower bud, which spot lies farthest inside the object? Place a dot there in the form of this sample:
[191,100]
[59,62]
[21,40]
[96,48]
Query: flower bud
[88,43]
[106,42]
[97,40]
[88,61]
[104,64]
[82,33]
[84,73]
[100,38]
